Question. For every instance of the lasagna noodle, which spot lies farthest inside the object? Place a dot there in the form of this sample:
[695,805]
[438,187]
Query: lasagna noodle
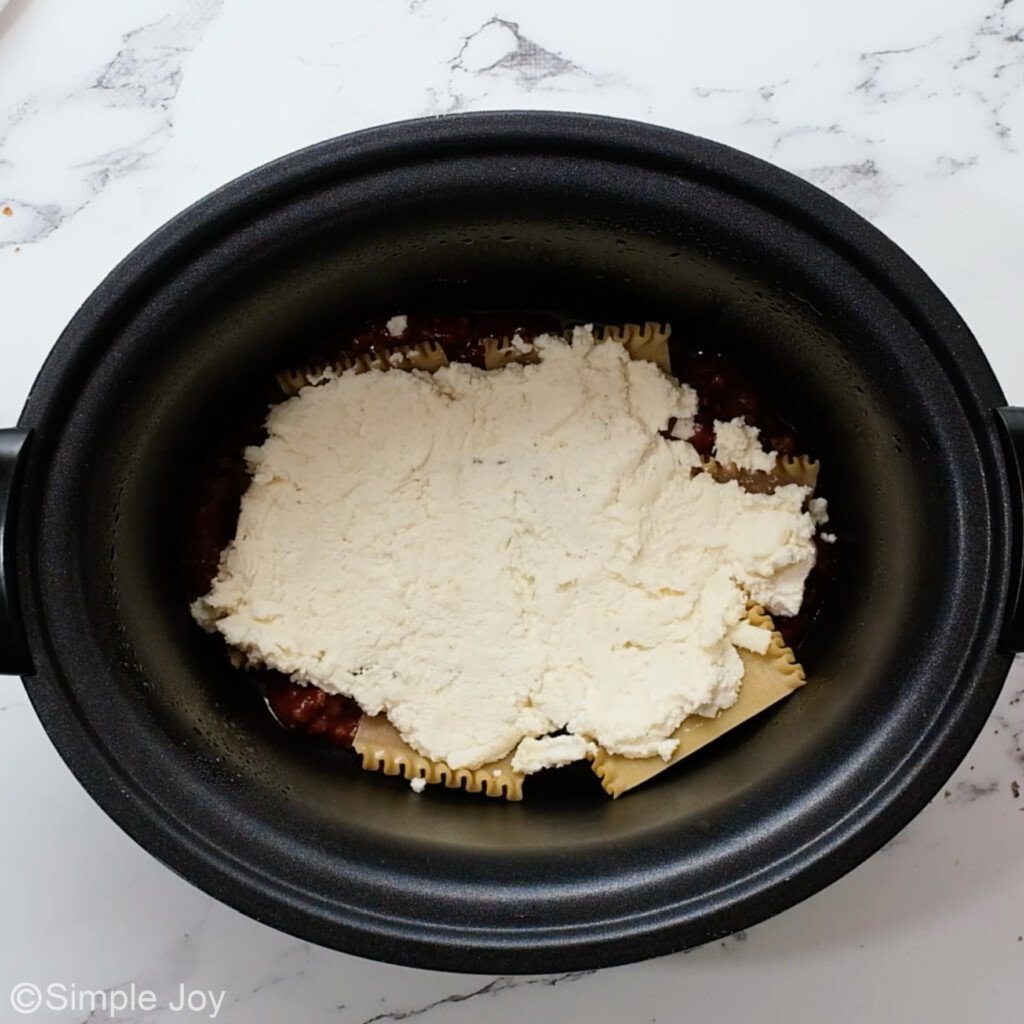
[767,678]
[787,470]
[424,356]
[648,342]
[382,749]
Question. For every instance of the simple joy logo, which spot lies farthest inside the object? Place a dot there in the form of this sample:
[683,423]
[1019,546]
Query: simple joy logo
[27,998]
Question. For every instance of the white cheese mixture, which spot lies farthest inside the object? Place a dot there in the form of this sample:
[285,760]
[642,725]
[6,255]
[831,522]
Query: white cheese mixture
[397,325]
[490,557]
[818,508]
[739,444]
[550,752]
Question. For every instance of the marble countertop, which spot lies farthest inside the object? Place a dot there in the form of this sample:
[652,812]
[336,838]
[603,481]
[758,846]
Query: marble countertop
[115,115]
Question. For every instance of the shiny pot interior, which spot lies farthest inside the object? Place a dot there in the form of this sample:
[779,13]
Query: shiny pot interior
[596,221]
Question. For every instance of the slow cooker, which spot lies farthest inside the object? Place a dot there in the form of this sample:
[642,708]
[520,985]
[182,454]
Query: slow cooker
[594,219]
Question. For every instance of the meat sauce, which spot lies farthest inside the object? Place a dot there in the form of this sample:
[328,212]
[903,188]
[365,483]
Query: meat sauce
[212,510]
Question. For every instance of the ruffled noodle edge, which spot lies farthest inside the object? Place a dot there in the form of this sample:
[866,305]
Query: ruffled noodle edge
[767,678]
[647,342]
[382,749]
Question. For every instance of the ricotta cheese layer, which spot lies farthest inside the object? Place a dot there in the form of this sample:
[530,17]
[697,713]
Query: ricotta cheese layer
[489,557]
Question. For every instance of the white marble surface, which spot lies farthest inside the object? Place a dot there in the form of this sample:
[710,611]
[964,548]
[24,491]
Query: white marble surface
[114,115]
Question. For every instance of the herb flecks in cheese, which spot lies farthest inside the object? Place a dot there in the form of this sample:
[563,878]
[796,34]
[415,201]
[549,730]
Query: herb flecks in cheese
[491,557]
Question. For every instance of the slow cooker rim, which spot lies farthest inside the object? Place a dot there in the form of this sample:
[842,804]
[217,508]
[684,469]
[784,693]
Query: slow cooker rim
[805,205]
[83,338]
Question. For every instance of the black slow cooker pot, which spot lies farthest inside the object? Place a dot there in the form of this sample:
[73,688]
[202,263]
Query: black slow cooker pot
[594,219]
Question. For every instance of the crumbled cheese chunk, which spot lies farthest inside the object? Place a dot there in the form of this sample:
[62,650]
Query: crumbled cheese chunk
[738,444]
[397,325]
[750,637]
[520,344]
[828,538]
[550,752]
[818,509]
[418,784]
[490,557]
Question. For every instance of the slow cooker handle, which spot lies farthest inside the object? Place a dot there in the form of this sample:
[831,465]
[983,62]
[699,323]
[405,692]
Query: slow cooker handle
[14,658]
[1012,421]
